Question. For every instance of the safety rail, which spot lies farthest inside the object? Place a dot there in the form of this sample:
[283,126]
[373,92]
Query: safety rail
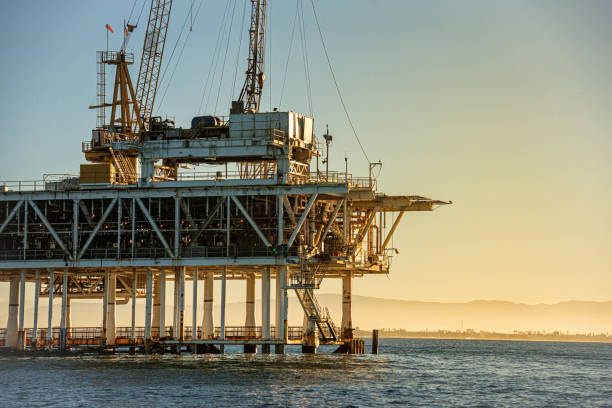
[341,177]
[146,253]
[218,175]
[70,182]
[74,334]
[110,56]
[49,182]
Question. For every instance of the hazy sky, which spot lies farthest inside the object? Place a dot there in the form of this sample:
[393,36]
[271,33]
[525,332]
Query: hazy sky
[501,106]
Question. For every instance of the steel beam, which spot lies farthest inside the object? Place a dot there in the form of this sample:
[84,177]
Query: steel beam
[302,219]
[250,220]
[155,227]
[50,228]
[332,218]
[390,234]
[11,214]
[211,216]
[97,227]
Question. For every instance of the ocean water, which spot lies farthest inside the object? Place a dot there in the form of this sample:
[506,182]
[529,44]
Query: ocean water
[428,373]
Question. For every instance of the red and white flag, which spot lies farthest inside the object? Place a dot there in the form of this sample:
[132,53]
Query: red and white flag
[109,28]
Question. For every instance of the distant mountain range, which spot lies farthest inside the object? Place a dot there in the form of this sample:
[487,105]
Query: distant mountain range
[370,312]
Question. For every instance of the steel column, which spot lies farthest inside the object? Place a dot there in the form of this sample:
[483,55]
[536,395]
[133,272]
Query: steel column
[50,311]
[223,289]
[64,300]
[194,324]
[22,282]
[35,323]
[133,328]
[208,329]
[162,304]
[265,309]
[12,325]
[148,306]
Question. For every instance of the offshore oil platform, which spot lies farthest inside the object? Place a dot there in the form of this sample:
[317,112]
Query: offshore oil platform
[132,221]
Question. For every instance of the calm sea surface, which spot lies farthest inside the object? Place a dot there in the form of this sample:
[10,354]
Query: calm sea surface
[406,373]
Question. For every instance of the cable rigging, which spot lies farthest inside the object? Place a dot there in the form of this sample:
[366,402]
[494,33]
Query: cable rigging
[336,82]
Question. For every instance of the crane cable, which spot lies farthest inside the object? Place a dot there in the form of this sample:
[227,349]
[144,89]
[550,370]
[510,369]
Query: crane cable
[137,20]
[239,49]
[217,58]
[194,18]
[297,8]
[336,82]
[213,61]
[229,34]
[306,62]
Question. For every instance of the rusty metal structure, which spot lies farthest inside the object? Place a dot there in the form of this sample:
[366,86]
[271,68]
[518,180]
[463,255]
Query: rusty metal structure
[131,223]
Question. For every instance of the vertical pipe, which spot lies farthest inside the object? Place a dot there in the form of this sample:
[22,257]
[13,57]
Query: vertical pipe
[279,301]
[345,220]
[105,306]
[35,325]
[285,305]
[133,224]
[265,309]
[12,325]
[50,311]
[68,317]
[175,306]
[25,228]
[280,210]
[194,324]
[119,216]
[63,321]
[177,226]
[223,289]
[22,282]
[75,229]
[133,328]
[227,240]
[162,304]
[148,308]
[181,303]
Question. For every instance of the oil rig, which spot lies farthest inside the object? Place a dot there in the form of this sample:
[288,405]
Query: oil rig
[132,222]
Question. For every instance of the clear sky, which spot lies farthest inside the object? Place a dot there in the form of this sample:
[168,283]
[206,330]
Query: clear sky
[503,107]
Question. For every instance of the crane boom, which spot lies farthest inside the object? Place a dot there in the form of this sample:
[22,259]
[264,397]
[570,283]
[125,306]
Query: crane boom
[152,53]
[250,96]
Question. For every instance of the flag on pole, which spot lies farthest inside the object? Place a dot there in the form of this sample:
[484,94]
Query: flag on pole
[109,28]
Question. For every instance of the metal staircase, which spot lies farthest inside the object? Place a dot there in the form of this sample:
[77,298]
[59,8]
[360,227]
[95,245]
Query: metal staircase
[304,283]
[125,170]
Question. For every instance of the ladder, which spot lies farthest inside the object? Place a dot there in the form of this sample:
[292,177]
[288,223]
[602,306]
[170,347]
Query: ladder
[304,289]
[125,170]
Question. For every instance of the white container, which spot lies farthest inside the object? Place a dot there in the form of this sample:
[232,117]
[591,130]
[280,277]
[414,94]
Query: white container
[266,124]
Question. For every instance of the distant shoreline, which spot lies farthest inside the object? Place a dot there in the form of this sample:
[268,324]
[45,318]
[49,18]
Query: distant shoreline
[473,335]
